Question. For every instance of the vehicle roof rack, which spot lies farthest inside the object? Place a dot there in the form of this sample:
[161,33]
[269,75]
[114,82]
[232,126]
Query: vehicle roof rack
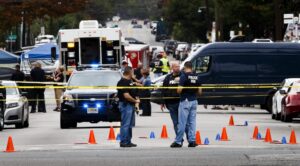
[98,67]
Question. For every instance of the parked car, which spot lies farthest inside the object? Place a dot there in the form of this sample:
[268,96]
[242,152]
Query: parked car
[277,98]
[6,73]
[132,40]
[156,51]
[134,21]
[195,47]
[153,30]
[2,106]
[170,46]
[181,52]
[17,108]
[146,21]
[137,26]
[153,24]
[291,102]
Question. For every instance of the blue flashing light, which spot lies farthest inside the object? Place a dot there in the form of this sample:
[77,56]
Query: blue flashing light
[98,105]
[95,65]
[85,106]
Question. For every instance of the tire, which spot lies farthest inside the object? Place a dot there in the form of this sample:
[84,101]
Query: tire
[273,116]
[278,116]
[21,125]
[1,123]
[269,103]
[26,123]
[66,123]
[285,117]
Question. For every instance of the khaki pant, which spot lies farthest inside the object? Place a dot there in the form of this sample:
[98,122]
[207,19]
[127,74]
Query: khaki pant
[58,93]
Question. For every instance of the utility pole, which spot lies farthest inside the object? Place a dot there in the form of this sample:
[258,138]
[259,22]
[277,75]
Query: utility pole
[278,6]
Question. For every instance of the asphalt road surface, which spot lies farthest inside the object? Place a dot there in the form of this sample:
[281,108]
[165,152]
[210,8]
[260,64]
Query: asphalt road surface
[44,143]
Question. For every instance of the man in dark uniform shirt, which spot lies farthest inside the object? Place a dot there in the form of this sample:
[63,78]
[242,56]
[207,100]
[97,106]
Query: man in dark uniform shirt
[189,90]
[18,75]
[171,97]
[127,103]
[38,75]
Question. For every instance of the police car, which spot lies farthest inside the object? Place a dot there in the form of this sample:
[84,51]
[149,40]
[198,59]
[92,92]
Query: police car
[88,98]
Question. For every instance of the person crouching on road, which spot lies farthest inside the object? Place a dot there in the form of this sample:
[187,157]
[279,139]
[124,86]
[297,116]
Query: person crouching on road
[188,106]
[38,75]
[58,77]
[145,93]
[127,103]
[171,97]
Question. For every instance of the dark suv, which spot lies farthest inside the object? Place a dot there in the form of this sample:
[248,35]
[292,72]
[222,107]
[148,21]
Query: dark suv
[170,46]
[88,98]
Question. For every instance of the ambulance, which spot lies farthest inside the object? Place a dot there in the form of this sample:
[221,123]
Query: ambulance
[89,46]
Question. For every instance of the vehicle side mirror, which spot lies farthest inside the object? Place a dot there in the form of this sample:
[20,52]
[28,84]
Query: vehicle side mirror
[283,92]
[53,53]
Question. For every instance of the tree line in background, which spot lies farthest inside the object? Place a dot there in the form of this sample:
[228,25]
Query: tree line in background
[186,20]
[190,21]
[63,14]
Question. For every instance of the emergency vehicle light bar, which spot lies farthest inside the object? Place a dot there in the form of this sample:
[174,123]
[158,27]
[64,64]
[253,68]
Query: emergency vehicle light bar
[97,67]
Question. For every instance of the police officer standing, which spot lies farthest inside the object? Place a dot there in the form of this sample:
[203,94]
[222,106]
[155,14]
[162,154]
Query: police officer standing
[164,62]
[188,106]
[171,97]
[18,75]
[38,75]
[127,102]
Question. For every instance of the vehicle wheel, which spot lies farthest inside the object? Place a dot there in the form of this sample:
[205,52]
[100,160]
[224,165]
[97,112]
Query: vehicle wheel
[278,116]
[21,125]
[273,116]
[1,123]
[269,103]
[66,123]
[26,123]
[284,116]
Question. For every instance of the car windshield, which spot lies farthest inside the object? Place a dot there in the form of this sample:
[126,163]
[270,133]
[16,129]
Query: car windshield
[95,79]
[10,91]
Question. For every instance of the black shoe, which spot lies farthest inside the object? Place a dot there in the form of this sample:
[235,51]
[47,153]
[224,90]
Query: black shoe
[32,112]
[192,145]
[175,145]
[42,111]
[56,109]
[133,145]
[130,145]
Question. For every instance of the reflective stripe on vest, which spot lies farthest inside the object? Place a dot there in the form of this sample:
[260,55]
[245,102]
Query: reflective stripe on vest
[165,67]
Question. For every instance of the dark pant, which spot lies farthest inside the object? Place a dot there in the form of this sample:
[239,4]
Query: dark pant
[127,122]
[38,98]
[173,109]
[145,103]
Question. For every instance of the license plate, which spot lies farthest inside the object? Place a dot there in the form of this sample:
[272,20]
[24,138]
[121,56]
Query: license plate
[92,111]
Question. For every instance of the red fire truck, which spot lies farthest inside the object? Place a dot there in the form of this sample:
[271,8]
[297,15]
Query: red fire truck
[137,54]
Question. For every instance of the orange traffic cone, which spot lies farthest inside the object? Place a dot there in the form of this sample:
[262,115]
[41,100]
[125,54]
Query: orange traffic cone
[255,133]
[92,139]
[111,135]
[224,136]
[293,139]
[10,145]
[164,132]
[231,121]
[268,137]
[198,138]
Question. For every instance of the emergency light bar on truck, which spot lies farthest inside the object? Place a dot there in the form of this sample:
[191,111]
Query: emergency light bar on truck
[89,45]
